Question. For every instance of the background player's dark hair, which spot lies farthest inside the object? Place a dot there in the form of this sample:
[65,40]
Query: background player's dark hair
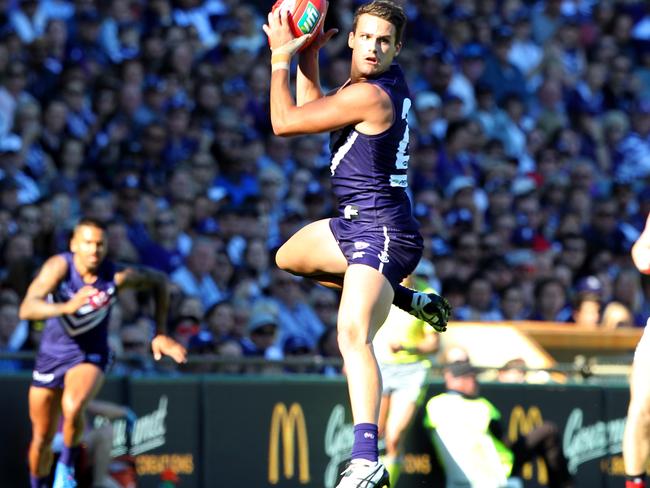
[384,9]
[89,222]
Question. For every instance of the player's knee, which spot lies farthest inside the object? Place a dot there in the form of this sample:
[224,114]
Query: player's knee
[41,442]
[350,338]
[72,408]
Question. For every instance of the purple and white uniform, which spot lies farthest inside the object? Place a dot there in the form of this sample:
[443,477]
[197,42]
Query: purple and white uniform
[77,338]
[376,226]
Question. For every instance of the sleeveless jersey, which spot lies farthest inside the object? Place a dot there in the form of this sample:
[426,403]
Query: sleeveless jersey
[369,171]
[87,328]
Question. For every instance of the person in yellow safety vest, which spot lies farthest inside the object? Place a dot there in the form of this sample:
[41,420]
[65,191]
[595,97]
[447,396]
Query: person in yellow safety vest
[467,436]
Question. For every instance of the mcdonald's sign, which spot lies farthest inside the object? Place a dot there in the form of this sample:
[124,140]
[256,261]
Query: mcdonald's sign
[523,422]
[288,425]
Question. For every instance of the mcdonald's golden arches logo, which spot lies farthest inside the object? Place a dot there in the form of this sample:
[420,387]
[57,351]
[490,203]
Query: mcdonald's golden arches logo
[288,425]
[523,422]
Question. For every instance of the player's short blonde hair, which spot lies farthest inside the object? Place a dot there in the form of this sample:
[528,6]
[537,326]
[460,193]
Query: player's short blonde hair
[384,9]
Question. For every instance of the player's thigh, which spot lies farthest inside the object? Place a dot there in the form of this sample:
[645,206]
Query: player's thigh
[44,411]
[312,250]
[82,383]
[365,300]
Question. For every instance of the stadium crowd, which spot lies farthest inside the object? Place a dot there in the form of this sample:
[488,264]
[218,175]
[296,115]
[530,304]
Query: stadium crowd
[529,169]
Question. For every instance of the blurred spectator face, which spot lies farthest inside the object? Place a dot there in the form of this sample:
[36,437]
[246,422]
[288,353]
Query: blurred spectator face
[100,207]
[182,58]
[28,119]
[285,287]
[619,71]
[204,169]
[257,255]
[264,336]
[191,307]
[56,33]
[551,299]
[627,288]
[500,201]
[615,126]
[605,216]
[119,245]
[181,186]
[16,77]
[165,228]
[587,311]
[469,248]
[259,81]
[72,154]
[550,93]
[325,304]
[220,319]
[55,117]
[574,252]
[596,76]
[19,247]
[622,29]
[479,294]
[278,149]
[133,72]
[201,259]
[272,185]
[513,305]
[154,139]
[73,95]
[230,350]
[178,122]
[130,98]
[208,97]
[528,209]
[617,315]
[29,220]
[8,321]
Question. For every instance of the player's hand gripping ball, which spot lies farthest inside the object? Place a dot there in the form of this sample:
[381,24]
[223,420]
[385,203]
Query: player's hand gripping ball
[305,16]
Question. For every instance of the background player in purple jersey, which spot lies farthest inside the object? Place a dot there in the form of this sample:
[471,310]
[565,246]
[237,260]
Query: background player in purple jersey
[375,242]
[636,438]
[74,293]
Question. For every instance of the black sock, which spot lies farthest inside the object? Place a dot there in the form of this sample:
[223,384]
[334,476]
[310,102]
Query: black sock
[403,298]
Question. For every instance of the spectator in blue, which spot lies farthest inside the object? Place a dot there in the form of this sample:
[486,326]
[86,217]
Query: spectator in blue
[500,74]
[163,251]
[194,278]
[295,316]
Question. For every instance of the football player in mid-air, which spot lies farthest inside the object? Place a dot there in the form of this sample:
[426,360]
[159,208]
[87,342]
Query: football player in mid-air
[375,242]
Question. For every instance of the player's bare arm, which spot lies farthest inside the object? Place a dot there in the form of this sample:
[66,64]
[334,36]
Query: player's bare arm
[308,86]
[35,305]
[147,278]
[641,250]
[364,105]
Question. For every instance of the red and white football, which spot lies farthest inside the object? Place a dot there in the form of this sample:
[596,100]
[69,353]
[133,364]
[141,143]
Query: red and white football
[305,16]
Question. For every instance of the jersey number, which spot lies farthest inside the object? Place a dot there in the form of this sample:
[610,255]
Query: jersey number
[402,157]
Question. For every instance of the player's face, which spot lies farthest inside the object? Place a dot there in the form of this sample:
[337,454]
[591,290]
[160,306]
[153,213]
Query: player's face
[373,46]
[89,245]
